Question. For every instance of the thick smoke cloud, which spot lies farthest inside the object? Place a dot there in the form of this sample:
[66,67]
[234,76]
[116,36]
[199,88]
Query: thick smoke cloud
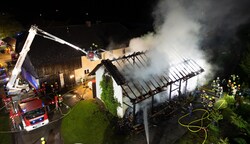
[184,29]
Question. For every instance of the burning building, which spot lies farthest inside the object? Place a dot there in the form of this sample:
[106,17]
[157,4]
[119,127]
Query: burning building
[132,92]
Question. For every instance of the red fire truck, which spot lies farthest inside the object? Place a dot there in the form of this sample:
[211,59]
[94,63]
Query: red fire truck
[33,113]
[30,111]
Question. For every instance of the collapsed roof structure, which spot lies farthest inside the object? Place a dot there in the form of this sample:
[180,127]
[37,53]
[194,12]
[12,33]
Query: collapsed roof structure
[135,91]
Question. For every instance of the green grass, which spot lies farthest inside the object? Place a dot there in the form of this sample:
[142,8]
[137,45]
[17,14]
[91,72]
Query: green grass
[220,104]
[5,136]
[85,124]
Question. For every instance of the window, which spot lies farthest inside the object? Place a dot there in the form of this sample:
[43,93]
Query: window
[86,71]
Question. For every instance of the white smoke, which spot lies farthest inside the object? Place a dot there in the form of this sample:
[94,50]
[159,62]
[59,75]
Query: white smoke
[177,37]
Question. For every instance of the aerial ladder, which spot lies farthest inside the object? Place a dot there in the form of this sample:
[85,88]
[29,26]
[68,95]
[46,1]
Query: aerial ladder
[13,87]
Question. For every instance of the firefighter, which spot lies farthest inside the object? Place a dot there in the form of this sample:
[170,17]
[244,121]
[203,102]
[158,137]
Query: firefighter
[217,90]
[213,99]
[210,104]
[238,98]
[237,79]
[218,80]
[43,88]
[238,87]
[56,101]
[190,109]
[52,88]
[229,84]
[206,100]
[60,99]
[213,85]
[203,96]
[43,140]
[47,87]
[56,87]
[81,80]
[233,90]
[34,90]
[220,92]
[233,78]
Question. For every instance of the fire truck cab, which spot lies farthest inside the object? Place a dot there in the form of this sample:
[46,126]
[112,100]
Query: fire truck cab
[33,113]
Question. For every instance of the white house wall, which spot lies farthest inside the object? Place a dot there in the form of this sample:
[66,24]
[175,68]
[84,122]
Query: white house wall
[87,65]
[118,96]
[115,53]
[117,90]
[98,78]
[90,65]
[78,75]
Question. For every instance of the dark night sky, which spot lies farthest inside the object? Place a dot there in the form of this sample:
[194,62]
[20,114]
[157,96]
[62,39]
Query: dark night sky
[211,24]
[124,11]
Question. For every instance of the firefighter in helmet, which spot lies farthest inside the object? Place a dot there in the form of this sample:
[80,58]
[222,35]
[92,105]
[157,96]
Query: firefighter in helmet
[56,87]
[213,85]
[60,99]
[210,103]
[203,97]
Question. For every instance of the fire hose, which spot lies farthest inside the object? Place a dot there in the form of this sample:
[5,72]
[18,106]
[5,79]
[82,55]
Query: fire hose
[197,128]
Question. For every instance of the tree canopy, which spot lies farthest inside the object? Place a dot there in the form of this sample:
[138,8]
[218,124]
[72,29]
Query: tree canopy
[245,62]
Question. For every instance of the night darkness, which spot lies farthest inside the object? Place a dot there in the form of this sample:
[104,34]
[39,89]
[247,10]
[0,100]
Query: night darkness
[215,34]
[214,23]
[125,11]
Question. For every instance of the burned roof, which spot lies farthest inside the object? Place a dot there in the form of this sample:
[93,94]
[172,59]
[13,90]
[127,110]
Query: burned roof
[138,89]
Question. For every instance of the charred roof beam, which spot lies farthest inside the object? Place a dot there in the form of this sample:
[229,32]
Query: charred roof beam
[137,80]
[114,72]
[145,67]
[132,65]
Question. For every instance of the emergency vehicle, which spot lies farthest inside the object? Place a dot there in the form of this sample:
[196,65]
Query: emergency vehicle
[31,111]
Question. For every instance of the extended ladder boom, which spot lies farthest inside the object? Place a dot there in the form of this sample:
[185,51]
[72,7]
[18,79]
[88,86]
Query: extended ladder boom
[33,31]
[21,58]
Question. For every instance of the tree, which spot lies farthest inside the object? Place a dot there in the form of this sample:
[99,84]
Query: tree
[245,63]
[240,123]
[9,26]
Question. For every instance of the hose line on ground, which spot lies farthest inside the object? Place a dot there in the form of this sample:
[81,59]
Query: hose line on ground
[196,128]
[205,115]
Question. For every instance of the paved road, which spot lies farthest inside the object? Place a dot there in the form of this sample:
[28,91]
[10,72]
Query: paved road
[51,132]
[4,58]
[167,131]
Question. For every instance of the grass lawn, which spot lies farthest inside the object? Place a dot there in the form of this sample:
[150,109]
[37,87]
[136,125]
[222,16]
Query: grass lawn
[5,136]
[86,124]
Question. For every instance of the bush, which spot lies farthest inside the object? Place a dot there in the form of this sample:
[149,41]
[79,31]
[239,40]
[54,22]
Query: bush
[107,95]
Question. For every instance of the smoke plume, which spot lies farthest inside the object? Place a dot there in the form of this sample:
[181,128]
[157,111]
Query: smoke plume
[183,29]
